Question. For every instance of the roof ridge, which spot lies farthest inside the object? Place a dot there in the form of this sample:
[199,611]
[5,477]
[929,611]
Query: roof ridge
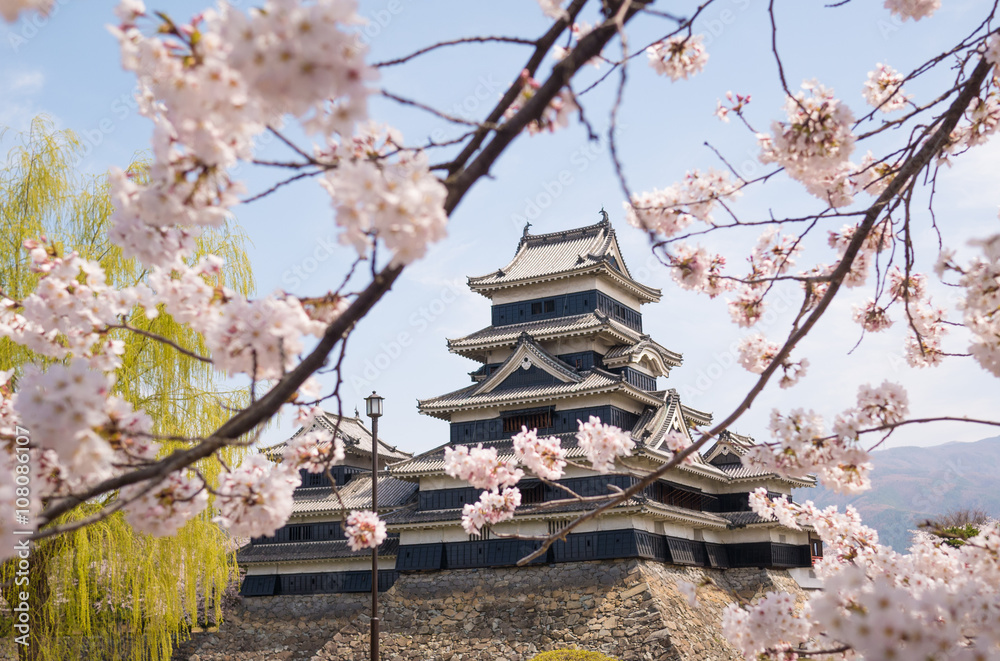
[582,231]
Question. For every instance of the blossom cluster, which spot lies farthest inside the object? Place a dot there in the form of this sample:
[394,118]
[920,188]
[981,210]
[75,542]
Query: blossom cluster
[679,56]
[364,530]
[772,256]
[255,499]
[925,321]
[736,104]
[166,507]
[544,457]
[772,624]
[603,443]
[915,9]
[883,89]
[484,468]
[491,508]
[802,447]
[481,467]
[937,601]
[383,190]
[668,211]
[981,304]
[756,353]
[814,145]
[982,119]
[314,450]
[696,269]
[556,114]
[69,311]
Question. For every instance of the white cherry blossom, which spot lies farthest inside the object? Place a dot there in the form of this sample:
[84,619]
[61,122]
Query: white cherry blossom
[883,89]
[492,507]
[679,56]
[256,499]
[603,443]
[364,530]
[544,457]
[481,467]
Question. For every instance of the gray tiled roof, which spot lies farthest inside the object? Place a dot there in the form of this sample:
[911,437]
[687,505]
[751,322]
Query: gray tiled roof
[559,254]
[292,551]
[590,323]
[740,519]
[593,381]
[433,460]
[411,515]
[572,383]
[740,472]
[356,494]
[356,436]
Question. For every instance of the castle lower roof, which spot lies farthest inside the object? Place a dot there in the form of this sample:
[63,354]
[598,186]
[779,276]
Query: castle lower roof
[357,438]
[302,551]
[355,495]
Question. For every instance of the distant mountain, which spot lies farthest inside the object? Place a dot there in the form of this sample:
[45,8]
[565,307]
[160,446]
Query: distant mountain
[911,484]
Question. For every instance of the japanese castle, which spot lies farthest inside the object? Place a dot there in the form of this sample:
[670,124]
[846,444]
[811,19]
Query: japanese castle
[565,342]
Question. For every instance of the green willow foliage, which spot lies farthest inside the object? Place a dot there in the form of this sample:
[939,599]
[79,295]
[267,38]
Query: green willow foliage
[106,591]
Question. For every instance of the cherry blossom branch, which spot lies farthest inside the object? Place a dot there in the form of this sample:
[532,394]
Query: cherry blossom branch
[454,42]
[267,406]
[544,45]
[160,339]
[489,126]
[909,170]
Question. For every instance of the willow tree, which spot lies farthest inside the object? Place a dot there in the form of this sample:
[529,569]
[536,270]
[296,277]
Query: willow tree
[107,591]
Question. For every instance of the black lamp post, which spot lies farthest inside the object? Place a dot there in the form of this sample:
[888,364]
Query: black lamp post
[373,407]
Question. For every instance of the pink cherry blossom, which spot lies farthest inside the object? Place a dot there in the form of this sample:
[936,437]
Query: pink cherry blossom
[672,209]
[603,443]
[816,141]
[492,507]
[555,116]
[256,499]
[314,450]
[364,530]
[677,441]
[872,317]
[481,467]
[694,268]
[542,456]
[162,511]
[915,9]
[396,200]
[883,89]
[679,56]
[774,622]
[981,304]
[736,104]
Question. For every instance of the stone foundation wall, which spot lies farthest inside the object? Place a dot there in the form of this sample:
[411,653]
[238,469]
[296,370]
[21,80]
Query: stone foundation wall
[628,609]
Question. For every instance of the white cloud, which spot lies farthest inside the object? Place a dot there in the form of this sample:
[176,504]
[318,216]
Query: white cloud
[17,105]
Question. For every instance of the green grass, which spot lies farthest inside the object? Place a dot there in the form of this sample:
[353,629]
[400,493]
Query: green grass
[571,655]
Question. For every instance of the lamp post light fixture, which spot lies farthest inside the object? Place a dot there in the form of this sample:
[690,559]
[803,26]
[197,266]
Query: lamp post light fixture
[373,407]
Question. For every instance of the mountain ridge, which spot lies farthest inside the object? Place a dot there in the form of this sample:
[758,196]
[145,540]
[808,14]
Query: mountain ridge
[911,484]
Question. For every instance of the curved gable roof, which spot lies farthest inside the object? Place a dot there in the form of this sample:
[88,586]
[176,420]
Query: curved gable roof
[552,256]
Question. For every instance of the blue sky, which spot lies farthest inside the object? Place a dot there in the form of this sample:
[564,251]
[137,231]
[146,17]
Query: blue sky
[67,67]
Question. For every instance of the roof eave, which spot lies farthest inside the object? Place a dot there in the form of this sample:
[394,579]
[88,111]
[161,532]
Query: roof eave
[643,292]
[444,411]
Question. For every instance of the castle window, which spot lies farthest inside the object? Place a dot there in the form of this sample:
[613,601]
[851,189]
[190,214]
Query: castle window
[550,306]
[536,307]
[513,424]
